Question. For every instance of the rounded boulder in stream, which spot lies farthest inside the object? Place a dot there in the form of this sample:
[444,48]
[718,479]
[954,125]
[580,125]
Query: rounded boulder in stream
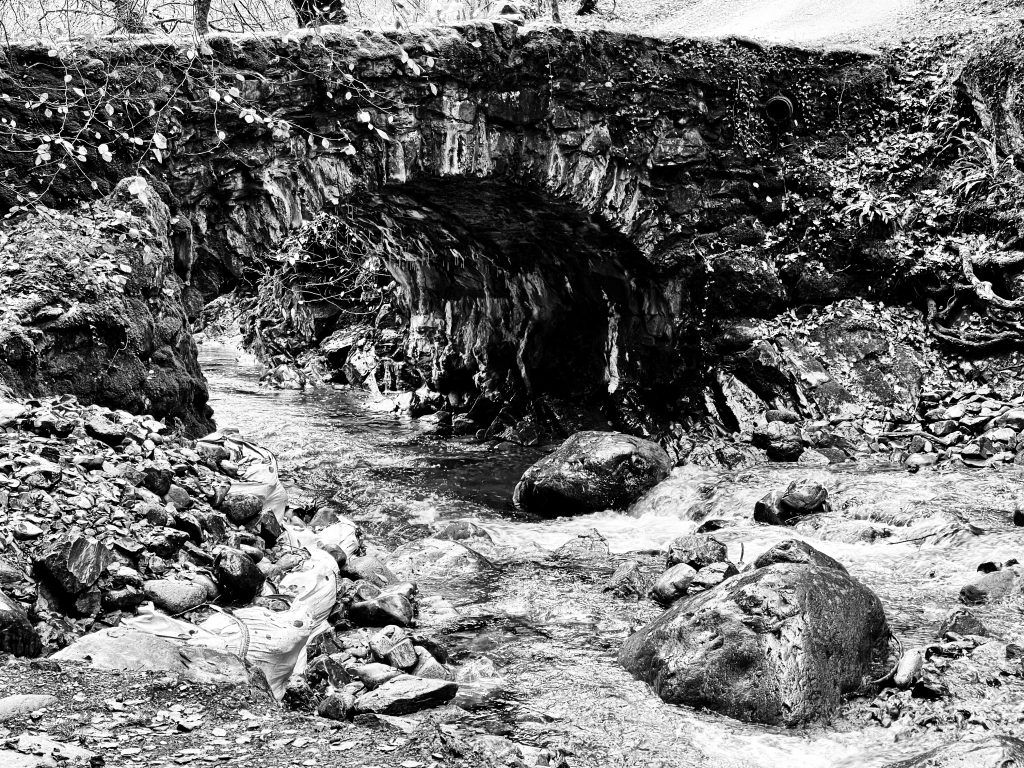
[778,644]
[592,471]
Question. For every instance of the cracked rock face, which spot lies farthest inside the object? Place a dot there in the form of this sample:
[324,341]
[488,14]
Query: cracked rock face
[779,644]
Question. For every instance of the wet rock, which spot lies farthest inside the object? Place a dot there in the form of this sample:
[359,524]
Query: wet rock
[393,646]
[369,569]
[122,648]
[628,580]
[712,575]
[175,596]
[17,635]
[589,545]
[909,668]
[696,551]
[23,530]
[238,576]
[592,471]
[975,751]
[961,621]
[105,430]
[463,530]
[781,440]
[242,507]
[990,587]
[429,558]
[721,649]
[797,500]
[73,563]
[21,704]
[406,694]
[796,551]
[269,528]
[673,583]
[381,611]
[429,667]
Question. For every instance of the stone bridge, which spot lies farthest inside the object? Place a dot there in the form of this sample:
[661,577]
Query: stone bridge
[611,193]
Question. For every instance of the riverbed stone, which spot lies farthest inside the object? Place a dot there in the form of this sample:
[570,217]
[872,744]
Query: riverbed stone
[673,583]
[990,587]
[973,751]
[779,644]
[369,569]
[696,551]
[796,551]
[628,581]
[72,562]
[406,694]
[381,611]
[392,645]
[592,471]
[712,575]
[242,507]
[962,621]
[21,704]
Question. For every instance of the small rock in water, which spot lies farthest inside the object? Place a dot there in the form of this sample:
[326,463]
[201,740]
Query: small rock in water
[695,551]
[961,621]
[590,545]
[628,581]
[711,576]
[991,587]
[429,667]
[463,530]
[673,583]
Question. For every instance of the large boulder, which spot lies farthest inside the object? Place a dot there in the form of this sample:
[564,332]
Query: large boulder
[592,471]
[779,644]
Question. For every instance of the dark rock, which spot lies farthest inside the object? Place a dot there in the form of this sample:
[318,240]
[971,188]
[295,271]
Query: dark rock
[154,514]
[381,611]
[157,479]
[712,575]
[336,706]
[269,528]
[165,542]
[781,440]
[73,563]
[696,551]
[961,621]
[673,583]
[17,635]
[238,576]
[974,751]
[242,507]
[721,649]
[175,596]
[106,431]
[796,551]
[799,499]
[369,569]
[628,580]
[189,523]
[592,471]
[406,694]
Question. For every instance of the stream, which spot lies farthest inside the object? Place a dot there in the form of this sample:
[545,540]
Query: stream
[545,624]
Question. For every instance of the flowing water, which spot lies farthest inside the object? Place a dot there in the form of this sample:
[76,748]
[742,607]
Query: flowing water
[551,633]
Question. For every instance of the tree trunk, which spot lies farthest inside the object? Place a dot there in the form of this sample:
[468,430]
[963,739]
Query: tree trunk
[314,13]
[130,17]
[201,16]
